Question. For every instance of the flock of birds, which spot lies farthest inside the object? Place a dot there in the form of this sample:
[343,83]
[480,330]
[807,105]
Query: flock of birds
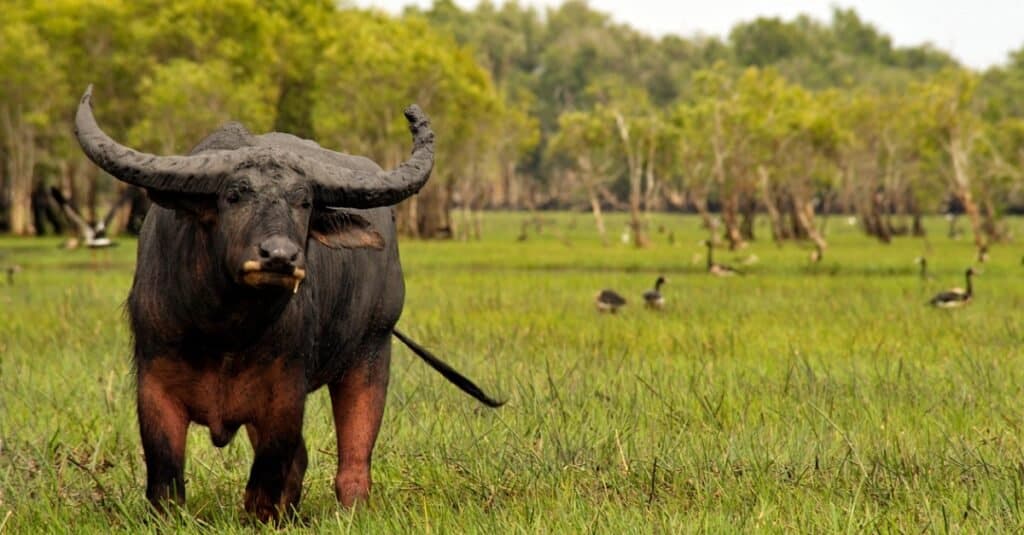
[608,300]
[93,235]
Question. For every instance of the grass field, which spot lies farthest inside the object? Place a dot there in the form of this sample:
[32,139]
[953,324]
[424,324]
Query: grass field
[822,398]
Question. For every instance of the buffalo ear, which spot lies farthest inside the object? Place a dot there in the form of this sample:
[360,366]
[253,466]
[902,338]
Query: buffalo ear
[204,207]
[340,229]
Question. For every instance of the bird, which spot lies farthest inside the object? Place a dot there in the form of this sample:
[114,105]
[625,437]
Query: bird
[955,297]
[93,235]
[818,254]
[983,254]
[653,297]
[608,300]
[749,260]
[716,269]
[522,231]
[11,271]
[923,262]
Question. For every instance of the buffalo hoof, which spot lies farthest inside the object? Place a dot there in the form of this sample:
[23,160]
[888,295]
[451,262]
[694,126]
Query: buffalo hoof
[352,489]
[261,506]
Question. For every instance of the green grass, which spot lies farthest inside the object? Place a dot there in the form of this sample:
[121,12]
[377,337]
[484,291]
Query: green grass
[799,398]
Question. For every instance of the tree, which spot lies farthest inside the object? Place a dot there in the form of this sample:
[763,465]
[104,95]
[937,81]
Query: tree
[372,67]
[949,129]
[585,148]
[30,90]
[211,96]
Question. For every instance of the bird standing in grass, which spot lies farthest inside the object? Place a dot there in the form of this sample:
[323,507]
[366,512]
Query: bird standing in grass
[983,254]
[11,271]
[609,301]
[716,269]
[653,298]
[955,297]
[923,262]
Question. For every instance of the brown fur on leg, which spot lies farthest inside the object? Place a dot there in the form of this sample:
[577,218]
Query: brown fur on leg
[357,400]
[163,424]
[275,480]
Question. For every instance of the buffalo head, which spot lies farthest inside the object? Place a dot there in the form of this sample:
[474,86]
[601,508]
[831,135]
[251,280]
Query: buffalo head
[262,203]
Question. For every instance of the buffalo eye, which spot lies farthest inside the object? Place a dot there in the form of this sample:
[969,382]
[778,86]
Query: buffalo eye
[299,198]
[233,196]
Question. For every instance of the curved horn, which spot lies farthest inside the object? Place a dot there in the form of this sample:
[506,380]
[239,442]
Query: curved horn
[203,173]
[181,174]
[354,189]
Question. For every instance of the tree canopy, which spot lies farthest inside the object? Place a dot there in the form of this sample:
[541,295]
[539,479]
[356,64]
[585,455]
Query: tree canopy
[561,107]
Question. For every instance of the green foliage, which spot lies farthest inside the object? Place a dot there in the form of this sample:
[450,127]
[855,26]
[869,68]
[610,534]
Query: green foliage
[497,78]
[211,93]
[29,83]
[765,41]
[374,66]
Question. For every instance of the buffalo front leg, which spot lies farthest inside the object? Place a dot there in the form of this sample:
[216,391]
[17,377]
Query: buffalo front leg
[357,400]
[292,491]
[278,441]
[163,424]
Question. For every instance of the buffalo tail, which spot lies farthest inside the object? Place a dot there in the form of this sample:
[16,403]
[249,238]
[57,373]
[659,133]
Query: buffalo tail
[447,371]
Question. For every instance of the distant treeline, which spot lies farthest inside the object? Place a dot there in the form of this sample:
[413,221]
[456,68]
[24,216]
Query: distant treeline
[533,109]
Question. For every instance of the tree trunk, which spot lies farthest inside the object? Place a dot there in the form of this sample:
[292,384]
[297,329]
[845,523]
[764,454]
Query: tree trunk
[748,213]
[635,167]
[917,227]
[873,219]
[990,223]
[774,217]
[425,215]
[651,185]
[700,202]
[21,161]
[973,215]
[962,189]
[123,214]
[804,211]
[595,207]
[637,224]
[589,182]
[730,217]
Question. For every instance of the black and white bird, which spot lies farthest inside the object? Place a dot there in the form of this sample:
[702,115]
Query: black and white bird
[955,297]
[716,269]
[653,298]
[93,235]
[609,301]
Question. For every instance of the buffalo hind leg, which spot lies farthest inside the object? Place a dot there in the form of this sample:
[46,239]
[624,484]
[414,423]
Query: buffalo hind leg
[357,400]
[163,424]
[279,449]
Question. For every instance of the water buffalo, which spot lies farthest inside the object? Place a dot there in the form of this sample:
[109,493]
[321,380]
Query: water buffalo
[267,268]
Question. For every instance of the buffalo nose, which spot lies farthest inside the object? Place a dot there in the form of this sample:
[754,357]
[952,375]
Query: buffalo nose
[278,252]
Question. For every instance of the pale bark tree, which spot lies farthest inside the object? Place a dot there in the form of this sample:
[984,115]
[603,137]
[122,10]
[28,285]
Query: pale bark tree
[30,88]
